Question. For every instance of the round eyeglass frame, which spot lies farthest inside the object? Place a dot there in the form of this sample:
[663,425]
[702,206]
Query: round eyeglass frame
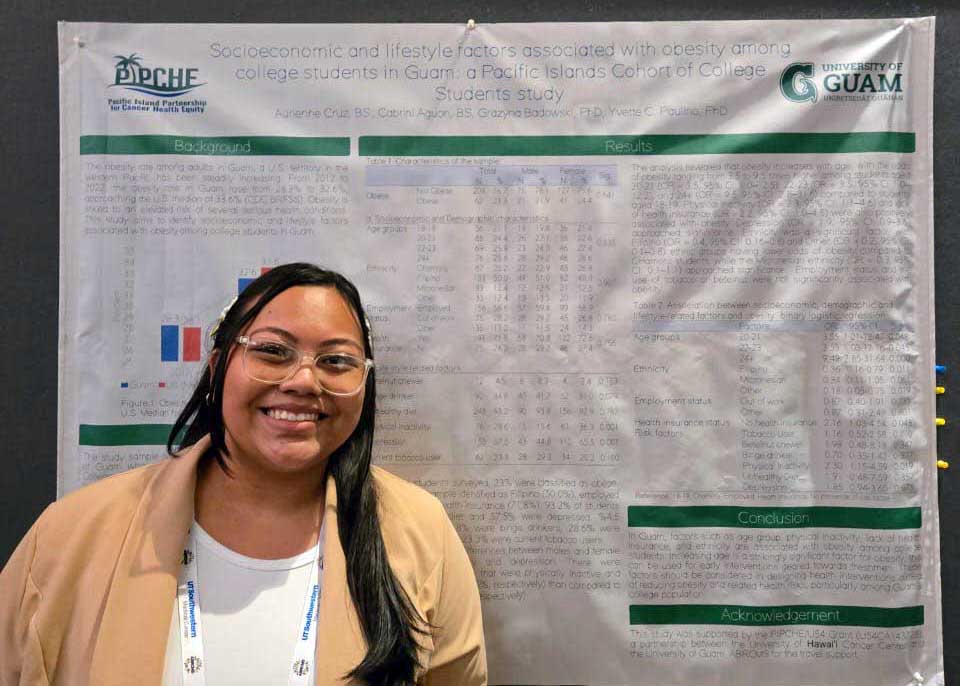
[245,341]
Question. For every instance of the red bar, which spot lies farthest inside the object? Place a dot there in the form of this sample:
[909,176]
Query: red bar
[191,344]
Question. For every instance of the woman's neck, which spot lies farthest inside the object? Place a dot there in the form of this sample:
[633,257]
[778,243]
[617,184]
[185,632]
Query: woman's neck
[257,515]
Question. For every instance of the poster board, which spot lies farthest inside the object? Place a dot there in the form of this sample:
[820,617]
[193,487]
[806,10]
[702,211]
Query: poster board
[641,294]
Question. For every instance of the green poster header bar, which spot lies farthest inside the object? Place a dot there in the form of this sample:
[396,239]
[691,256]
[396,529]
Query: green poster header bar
[124,434]
[775,517]
[778,615]
[228,146]
[660,144]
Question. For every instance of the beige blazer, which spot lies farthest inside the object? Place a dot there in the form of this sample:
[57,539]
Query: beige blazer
[87,597]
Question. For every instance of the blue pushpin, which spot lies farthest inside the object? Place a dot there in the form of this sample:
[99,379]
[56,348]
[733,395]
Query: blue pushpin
[940,368]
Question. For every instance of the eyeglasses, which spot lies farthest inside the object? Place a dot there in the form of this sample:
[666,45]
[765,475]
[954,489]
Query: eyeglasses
[273,362]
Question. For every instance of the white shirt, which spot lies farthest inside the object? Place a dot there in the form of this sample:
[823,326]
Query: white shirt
[250,611]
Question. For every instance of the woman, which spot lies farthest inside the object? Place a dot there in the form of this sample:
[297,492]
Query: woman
[271,495]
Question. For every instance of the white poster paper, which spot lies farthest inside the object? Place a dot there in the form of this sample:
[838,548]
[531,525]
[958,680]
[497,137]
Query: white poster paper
[652,309]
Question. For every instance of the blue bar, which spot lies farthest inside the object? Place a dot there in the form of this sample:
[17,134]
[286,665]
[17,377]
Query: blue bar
[940,368]
[169,342]
[242,284]
[124,384]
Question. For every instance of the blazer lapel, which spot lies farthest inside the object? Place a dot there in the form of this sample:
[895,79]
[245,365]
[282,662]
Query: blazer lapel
[340,642]
[130,645]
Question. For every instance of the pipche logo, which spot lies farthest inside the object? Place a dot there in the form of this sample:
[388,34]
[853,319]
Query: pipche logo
[167,82]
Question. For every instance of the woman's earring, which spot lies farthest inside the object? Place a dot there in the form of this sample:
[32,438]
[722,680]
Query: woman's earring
[209,398]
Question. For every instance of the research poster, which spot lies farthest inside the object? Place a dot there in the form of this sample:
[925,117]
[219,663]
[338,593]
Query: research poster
[652,309]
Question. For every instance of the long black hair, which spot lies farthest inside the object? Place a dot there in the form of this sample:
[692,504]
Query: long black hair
[389,621]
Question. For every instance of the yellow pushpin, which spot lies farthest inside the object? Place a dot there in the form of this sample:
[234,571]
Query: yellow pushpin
[941,390]
[941,421]
[943,464]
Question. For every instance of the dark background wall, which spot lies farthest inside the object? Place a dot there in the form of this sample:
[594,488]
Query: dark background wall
[29,202]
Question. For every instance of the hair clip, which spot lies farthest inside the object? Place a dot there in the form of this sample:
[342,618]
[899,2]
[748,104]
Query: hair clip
[223,315]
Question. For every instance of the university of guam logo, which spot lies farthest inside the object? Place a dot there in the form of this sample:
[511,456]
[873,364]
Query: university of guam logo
[166,82]
[192,664]
[796,83]
[301,667]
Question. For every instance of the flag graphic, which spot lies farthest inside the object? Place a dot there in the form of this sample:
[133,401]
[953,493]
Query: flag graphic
[170,349]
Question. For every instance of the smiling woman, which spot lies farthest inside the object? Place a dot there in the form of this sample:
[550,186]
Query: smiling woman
[266,549]
[278,407]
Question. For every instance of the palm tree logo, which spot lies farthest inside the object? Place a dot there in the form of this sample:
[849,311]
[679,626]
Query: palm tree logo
[125,67]
[165,82]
